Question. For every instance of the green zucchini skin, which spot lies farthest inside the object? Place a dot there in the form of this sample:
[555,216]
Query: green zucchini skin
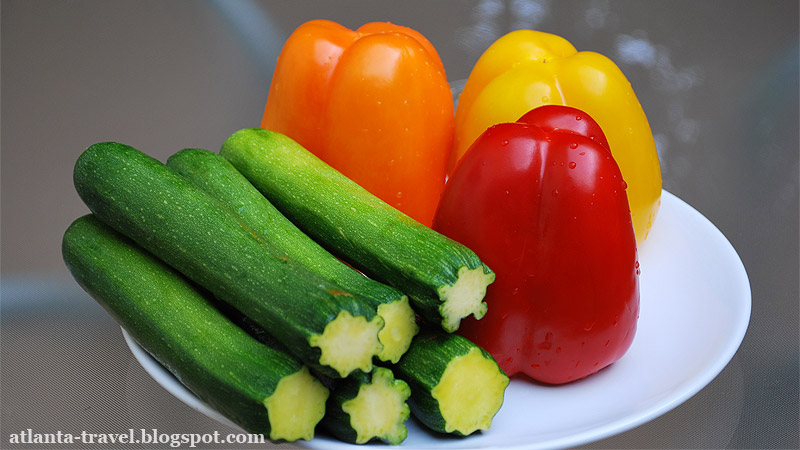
[164,213]
[350,222]
[423,367]
[215,175]
[177,324]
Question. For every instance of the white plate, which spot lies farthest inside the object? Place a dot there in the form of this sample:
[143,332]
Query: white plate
[695,308]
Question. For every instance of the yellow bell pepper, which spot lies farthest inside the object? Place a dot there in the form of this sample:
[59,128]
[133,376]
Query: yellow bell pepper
[526,69]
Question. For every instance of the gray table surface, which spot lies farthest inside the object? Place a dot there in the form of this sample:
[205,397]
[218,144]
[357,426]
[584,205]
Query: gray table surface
[717,79]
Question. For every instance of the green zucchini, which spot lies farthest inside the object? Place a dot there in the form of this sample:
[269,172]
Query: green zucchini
[362,407]
[456,386]
[366,407]
[445,280]
[215,175]
[330,330]
[257,387]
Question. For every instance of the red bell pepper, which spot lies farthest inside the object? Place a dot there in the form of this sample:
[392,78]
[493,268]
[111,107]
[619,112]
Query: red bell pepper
[543,203]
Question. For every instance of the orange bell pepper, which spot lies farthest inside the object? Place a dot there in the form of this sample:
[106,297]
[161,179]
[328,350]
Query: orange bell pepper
[374,103]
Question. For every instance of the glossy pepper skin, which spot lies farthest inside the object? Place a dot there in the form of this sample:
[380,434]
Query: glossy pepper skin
[374,103]
[525,69]
[543,203]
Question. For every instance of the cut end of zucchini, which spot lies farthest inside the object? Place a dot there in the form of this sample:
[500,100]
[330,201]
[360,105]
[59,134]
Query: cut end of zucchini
[348,343]
[380,410]
[296,406]
[470,393]
[464,297]
[400,327]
